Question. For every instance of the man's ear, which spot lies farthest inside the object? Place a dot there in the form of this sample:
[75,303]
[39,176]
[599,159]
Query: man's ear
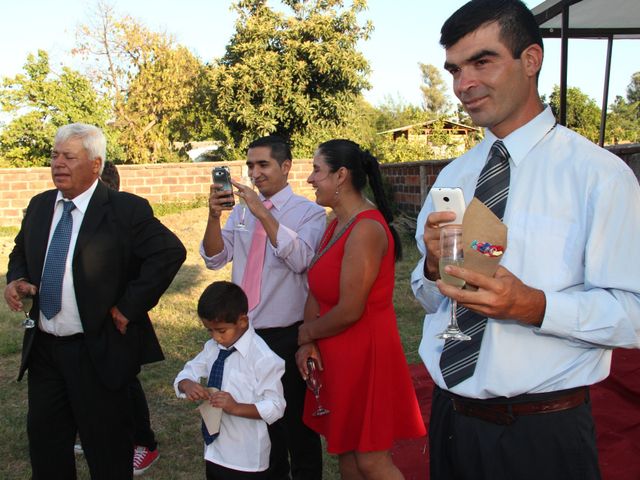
[97,164]
[532,57]
[286,166]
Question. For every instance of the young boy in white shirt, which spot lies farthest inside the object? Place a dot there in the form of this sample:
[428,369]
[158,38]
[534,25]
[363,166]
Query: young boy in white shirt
[250,393]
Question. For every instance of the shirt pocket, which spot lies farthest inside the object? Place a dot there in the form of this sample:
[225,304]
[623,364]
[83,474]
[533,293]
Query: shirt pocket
[545,251]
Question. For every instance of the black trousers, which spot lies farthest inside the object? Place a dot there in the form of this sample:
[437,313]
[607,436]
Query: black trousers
[289,435]
[66,397]
[218,472]
[143,434]
[550,446]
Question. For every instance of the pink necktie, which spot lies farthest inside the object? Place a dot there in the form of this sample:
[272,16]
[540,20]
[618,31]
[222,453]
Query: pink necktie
[252,277]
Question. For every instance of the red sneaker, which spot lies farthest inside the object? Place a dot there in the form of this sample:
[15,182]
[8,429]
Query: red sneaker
[143,458]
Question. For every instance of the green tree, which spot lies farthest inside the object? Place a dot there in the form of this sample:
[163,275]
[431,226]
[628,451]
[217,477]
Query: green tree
[293,74]
[623,121]
[583,114]
[434,90]
[149,79]
[633,89]
[39,101]
[396,112]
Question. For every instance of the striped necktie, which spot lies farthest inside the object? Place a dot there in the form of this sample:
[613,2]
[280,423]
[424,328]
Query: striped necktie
[458,360]
[50,294]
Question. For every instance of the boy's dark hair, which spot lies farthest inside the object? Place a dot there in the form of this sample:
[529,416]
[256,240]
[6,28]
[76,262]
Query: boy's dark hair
[518,27]
[110,176]
[222,302]
[280,149]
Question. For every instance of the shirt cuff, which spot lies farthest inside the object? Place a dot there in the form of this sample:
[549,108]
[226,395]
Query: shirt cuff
[561,314]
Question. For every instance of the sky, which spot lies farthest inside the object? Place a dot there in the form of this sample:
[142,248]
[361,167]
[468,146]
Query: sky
[406,33]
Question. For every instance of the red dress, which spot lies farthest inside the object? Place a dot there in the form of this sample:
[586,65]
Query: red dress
[366,382]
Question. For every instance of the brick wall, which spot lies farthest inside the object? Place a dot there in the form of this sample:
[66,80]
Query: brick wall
[410,182]
[157,183]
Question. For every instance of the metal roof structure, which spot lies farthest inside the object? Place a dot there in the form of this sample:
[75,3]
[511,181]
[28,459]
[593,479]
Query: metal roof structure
[596,19]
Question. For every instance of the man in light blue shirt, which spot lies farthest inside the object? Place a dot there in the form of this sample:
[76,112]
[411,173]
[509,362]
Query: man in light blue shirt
[566,291]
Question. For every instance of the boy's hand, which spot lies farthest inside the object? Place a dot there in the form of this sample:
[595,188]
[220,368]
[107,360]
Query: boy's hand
[194,391]
[225,401]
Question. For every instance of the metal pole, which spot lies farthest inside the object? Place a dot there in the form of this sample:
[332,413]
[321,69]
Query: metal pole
[563,64]
[605,93]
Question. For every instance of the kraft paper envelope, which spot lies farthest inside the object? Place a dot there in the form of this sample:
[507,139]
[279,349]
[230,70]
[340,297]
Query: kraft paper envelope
[482,230]
[211,415]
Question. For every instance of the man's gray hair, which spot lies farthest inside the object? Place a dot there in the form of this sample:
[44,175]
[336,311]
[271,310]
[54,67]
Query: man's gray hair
[93,140]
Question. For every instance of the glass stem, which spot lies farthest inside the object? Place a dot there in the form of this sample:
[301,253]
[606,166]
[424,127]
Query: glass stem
[453,325]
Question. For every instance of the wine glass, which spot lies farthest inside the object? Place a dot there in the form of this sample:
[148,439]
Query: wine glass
[27,303]
[315,383]
[240,223]
[451,253]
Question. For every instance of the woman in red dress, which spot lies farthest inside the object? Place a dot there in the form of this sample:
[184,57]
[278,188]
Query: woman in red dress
[350,324]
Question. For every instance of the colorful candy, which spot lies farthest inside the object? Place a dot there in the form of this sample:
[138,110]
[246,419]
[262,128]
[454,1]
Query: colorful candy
[487,249]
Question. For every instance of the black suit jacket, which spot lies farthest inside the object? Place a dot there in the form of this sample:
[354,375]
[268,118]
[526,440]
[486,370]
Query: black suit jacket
[124,257]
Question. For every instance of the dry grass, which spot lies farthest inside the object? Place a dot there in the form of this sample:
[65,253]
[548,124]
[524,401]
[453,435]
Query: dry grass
[174,421]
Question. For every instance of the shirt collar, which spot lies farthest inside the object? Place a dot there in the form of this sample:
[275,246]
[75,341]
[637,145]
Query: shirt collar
[281,198]
[81,201]
[243,344]
[520,142]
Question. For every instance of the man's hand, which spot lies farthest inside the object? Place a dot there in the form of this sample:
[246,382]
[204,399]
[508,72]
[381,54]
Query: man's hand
[119,320]
[431,239]
[251,198]
[217,197]
[502,297]
[194,391]
[15,291]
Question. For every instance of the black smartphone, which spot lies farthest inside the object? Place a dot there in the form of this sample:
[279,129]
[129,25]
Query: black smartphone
[222,177]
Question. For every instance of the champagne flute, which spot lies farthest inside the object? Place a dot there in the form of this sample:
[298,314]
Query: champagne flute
[27,304]
[315,384]
[451,253]
[240,224]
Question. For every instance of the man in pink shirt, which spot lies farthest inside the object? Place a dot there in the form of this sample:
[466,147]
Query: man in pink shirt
[293,226]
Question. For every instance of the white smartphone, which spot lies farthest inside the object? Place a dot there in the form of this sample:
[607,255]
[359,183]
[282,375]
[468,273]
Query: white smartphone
[449,199]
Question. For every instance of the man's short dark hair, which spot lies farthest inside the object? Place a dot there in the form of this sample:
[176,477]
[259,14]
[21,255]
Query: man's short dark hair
[518,27]
[280,149]
[222,302]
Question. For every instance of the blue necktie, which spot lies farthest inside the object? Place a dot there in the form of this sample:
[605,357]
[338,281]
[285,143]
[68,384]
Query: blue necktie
[215,380]
[50,295]
[458,360]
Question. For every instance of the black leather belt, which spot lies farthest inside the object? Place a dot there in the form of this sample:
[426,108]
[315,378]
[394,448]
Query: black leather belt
[505,413]
[65,338]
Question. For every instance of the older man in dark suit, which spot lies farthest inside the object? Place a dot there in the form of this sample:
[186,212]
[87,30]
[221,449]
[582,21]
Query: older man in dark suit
[96,262]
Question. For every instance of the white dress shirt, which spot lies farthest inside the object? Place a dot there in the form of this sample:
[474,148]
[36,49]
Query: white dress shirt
[67,321]
[251,375]
[284,288]
[573,218]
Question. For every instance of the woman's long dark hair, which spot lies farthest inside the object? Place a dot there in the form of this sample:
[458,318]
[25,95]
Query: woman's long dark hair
[362,165]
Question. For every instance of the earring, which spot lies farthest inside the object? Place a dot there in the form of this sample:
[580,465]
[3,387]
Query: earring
[337,192]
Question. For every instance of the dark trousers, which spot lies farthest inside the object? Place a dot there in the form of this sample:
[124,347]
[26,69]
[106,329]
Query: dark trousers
[289,435]
[550,446]
[218,472]
[143,435]
[66,397]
